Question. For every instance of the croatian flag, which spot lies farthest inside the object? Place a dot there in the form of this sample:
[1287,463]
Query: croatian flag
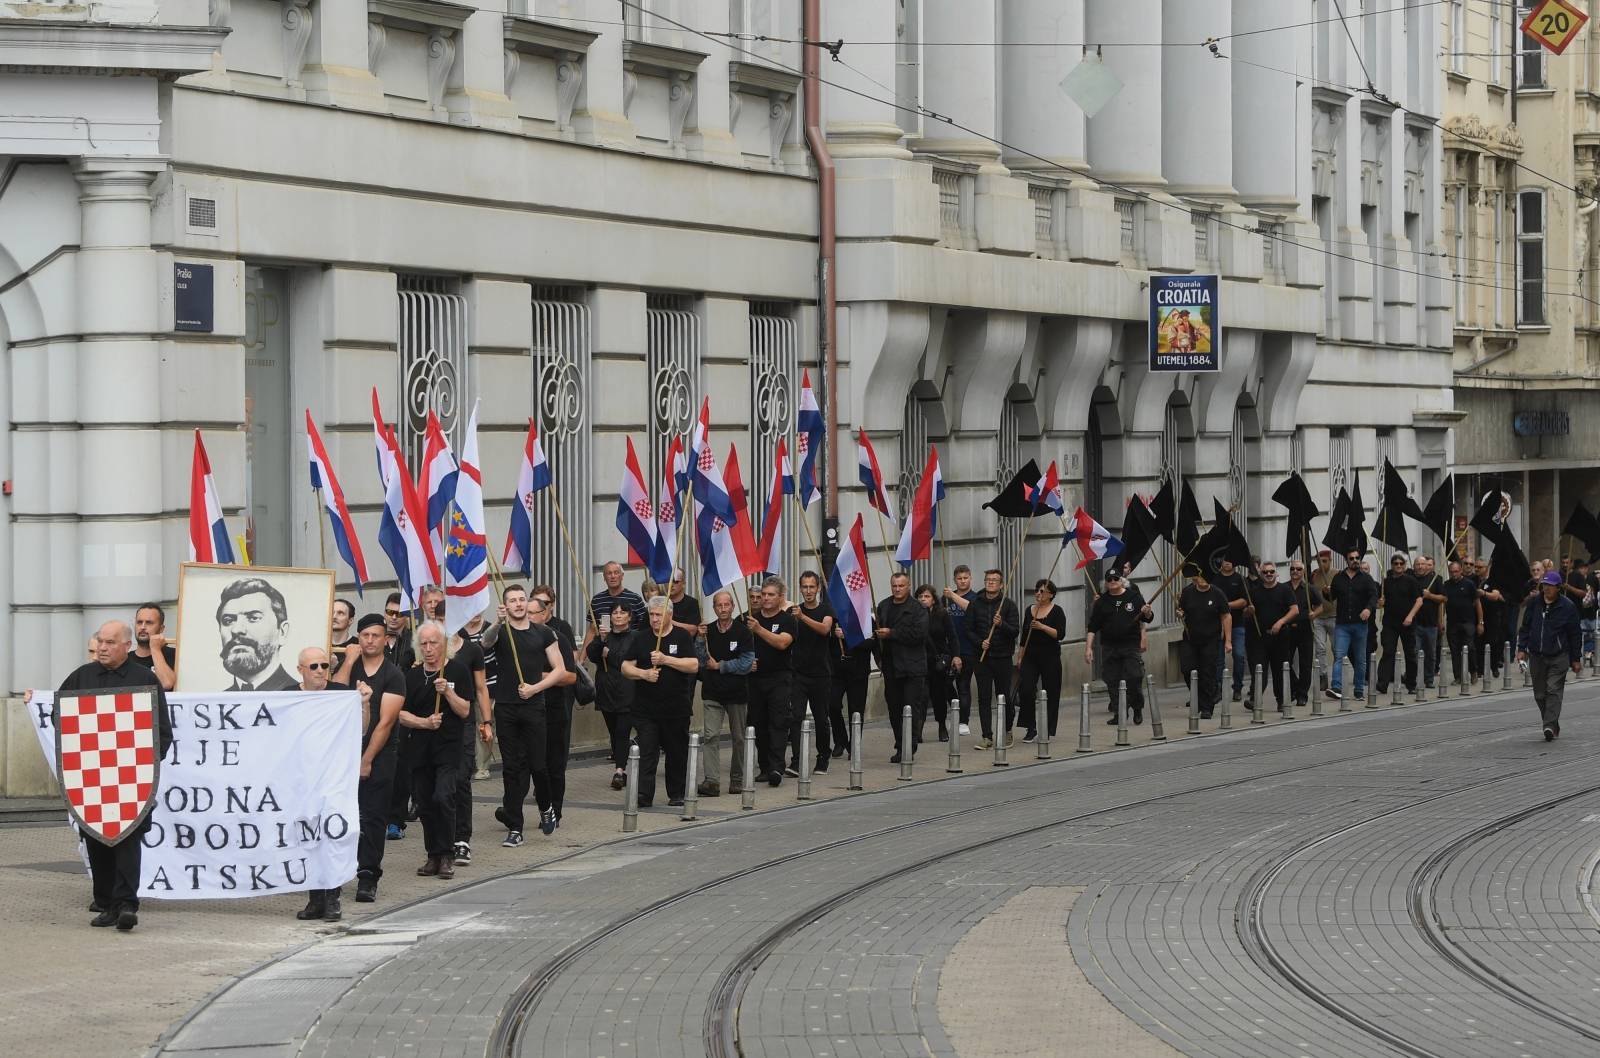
[871,477]
[208,533]
[1047,493]
[916,540]
[1093,539]
[809,430]
[634,522]
[674,474]
[466,555]
[403,526]
[722,561]
[437,484]
[850,591]
[532,475]
[769,551]
[327,486]
[705,479]
[744,533]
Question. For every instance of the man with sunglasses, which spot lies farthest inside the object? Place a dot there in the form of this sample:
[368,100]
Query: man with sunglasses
[1355,597]
[1302,641]
[1463,619]
[1426,625]
[1272,608]
[1400,601]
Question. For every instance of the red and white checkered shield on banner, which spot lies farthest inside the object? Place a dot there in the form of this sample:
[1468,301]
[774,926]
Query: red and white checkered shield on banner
[107,759]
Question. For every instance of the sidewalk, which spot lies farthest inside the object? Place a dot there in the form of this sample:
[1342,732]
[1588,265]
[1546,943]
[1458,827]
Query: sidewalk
[144,982]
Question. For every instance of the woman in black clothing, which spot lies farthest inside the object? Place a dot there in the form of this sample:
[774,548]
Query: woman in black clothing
[941,648]
[1043,629]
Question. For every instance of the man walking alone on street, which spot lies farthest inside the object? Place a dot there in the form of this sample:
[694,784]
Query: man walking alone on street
[1551,642]
[1114,619]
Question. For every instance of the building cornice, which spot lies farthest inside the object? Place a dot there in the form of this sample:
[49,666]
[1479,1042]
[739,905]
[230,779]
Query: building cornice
[34,46]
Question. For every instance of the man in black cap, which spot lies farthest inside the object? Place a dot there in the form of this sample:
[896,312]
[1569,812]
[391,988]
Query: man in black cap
[992,623]
[1207,624]
[1114,620]
[1400,600]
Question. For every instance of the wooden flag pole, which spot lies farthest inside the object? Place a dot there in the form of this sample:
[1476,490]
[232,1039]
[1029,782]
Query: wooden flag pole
[572,553]
[1016,563]
[322,529]
[883,541]
[499,576]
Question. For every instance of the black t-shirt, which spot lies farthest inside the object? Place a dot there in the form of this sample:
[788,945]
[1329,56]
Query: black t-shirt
[672,694]
[400,652]
[1271,605]
[771,659]
[567,644]
[1230,584]
[1203,611]
[1042,651]
[421,699]
[687,611]
[1309,599]
[170,653]
[1460,599]
[1400,593]
[340,649]
[1428,616]
[486,662]
[387,680]
[813,652]
[528,653]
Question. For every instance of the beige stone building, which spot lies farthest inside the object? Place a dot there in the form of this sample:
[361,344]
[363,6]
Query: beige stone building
[1522,131]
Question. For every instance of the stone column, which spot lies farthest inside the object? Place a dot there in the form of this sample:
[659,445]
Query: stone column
[1124,137]
[599,118]
[1043,42]
[1196,101]
[476,91]
[335,70]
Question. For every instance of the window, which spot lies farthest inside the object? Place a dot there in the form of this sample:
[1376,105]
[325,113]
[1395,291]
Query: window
[774,383]
[1497,41]
[1458,245]
[1497,204]
[1458,36]
[1530,55]
[433,362]
[560,403]
[1530,259]
[1202,238]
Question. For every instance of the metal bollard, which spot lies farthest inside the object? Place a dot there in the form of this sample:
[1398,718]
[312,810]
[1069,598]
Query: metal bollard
[630,803]
[1225,703]
[1041,726]
[1505,667]
[1347,690]
[1158,733]
[1422,675]
[749,801]
[1122,713]
[1372,682]
[1085,736]
[953,725]
[691,792]
[1320,665]
[1258,691]
[808,736]
[1286,703]
[1002,732]
[1194,702]
[1483,673]
[907,752]
[855,752]
[1319,692]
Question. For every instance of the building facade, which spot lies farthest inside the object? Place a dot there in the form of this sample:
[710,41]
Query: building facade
[1522,131]
[597,220]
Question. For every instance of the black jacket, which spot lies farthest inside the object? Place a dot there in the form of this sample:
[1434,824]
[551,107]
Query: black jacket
[981,625]
[1551,628]
[613,692]
[1351,595]
[905,652]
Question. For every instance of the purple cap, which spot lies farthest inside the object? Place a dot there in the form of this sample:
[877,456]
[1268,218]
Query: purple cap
[1551,577]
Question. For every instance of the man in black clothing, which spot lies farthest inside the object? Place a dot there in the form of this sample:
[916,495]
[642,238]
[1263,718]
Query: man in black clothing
[614,691]
[387,685]
[664,664]
[551,792]
[468,649]
[1273,607]
[1426,625]
[1400,600]
[727,651]
[850,676]
[1463,620]
[1354,596]
[529,663]
[956,601]
[1302,638]
[1498,628]
[992,623]
[114,869]
[685,607]
[1231,582]
[439,693]
[813,655]
[150,647]
[397,633]
[1114,620]
[770,686]
[902,631]
[1207,624]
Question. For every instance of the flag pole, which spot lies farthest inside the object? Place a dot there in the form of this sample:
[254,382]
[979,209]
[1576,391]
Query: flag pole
[572,553]
[322,529]
[1016,564]
[883,541]
[498,573]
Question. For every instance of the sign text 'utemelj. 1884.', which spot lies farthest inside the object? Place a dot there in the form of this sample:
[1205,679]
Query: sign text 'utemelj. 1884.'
[1185,323]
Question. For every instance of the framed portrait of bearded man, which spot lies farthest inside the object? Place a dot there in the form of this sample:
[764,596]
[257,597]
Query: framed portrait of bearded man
[241,628]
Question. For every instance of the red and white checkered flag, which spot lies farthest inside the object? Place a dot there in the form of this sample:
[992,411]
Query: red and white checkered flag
[107,758]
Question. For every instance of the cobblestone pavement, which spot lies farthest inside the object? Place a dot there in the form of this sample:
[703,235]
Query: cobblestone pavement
[1401,881]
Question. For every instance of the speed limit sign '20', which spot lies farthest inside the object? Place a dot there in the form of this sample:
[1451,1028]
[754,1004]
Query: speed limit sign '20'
[1554,23]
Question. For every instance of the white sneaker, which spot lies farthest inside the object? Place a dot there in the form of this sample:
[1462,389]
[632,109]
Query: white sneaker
[965,730]
[481,773]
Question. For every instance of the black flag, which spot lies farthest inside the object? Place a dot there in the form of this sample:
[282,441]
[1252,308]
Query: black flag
[1397,507]
[1293,495]
[1437,514]
[1340,537]
[1358,516]
[1584,527]
[1222,540]
[1186,534]
[1139,533]
[1508,568]
[1163,511]
[1015,500]
[1488,520]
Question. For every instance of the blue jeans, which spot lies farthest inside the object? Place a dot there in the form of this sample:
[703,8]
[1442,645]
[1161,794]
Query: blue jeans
[1428,640]
[1350,640]
[1588,625]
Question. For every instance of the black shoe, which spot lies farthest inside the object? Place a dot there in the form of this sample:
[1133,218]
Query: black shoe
[126,920]
[822,766]
[94,906]
[547,821]
[895,759]
[315,907]
[675,802]
[1030,735]
[619,779]
[463,854]
[104,918]
[792,771]
[646,804]
[1237,694]
[839,751]
[334,910]
[1138,717]
[1549,736]
[709,789]
[1332,695]
[1111,721]
[366,890]
[503,819]
[775,778]
[1557,728]
[1205,714]
[944,736]
[1382,689]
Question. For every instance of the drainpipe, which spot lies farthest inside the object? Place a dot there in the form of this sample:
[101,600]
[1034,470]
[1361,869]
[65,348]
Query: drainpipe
[828,332]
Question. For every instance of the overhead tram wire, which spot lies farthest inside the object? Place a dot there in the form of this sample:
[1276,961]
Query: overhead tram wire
[1134,192]
[1355,47]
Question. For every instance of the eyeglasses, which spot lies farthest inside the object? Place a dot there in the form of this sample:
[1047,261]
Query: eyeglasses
[1297,569]
[317,665]
[391,613]
[1269,573]
[545,603]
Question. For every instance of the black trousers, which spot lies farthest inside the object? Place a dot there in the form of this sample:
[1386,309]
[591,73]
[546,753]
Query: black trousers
[520,728]
[1302,661]
[400,789]
[941,689]
[963,686]
[1397,636]
[1124,664]
[1270,652]
[993,676]
[372,794]
[463,798]
[899,692]
[768,713]
[1494,635]
[810,693]
[658,737]
[550,786]
[849,687]
[1199,660]
[618,726]
[1463,634]
[114,869]
[435,763]
[1030,677]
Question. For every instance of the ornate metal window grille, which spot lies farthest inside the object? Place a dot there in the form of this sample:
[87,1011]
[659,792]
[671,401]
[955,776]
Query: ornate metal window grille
[1171,469]
[1239,473]
[673,352]
[561,356]
[1009,459]
[774,374]
[433,362]
[1339,460]
[913,457]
